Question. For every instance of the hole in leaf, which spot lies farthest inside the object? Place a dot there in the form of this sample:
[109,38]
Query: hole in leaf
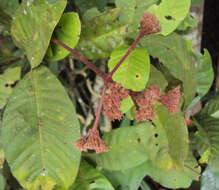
[6,85]
[155,135]
[139,140]
[156,144]
[137,76]
[168,17]
[92,181]
[13,85]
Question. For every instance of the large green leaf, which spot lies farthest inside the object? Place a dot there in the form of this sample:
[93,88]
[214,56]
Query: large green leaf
[68,32]
[175,178]
[173,53]
[172,132]
[90,178]
[129,179]
[39,129]
[129,147]
[132,11]
[205,72]
[33,26]
[7,79]
[170,13]
[209,180]
[101,34]
[134,72]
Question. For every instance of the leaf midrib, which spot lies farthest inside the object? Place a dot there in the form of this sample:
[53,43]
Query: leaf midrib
[35,90]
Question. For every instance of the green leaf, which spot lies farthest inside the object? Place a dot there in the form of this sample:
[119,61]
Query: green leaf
[188,22]
[128,147]
[172,132]
[209,181]
[170,14]
[210,109]
[175,178]
[134,71]
[67,31]
[157,78]
[7,9]
[129,179]
[101,34]
[206,140]
[205,72]
[39,129]
[87,4]
[131,13]
[5,20]
[90,178]
[7,79]
[172,52]
[9,6]
[131,146]
[126,104]
[90,13]
[33,26]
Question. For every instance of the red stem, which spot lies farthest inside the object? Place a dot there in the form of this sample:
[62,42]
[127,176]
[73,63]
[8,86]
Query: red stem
[106,77]
[100,107]
[89,64]
[124,57]
[134,100]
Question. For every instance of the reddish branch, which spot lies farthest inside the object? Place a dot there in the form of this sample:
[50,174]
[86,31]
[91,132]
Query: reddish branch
[85,61]
[149,24]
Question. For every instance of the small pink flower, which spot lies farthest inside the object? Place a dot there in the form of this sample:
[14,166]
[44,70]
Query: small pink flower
[91,141]
[149,24]
[146,101]
[171,100]
[112,101]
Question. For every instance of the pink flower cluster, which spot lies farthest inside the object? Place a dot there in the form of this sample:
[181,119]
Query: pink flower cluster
[146,101]
[171,100]
[91,141]
[149,24]
[112,101]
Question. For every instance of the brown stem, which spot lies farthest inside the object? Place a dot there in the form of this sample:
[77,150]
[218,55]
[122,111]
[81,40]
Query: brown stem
[134,100]
[124,57]
[100,107]
[89,64]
